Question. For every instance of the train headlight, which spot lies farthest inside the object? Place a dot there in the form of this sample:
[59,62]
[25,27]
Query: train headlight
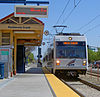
[57,62]
[70,38]
[84,63]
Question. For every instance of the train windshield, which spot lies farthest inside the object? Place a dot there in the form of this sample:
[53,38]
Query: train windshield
[71,50]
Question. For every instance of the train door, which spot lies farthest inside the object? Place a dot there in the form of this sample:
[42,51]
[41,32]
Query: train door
[20,59]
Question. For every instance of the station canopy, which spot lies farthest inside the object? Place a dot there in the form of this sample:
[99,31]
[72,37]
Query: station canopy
[27,30]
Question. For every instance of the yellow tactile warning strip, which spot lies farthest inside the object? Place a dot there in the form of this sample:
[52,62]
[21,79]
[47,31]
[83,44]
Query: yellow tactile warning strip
[59,88]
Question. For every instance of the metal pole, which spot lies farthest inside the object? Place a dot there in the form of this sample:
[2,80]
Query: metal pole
[24,2]
[37,4]
[91,71]
[97,72]
[38,57]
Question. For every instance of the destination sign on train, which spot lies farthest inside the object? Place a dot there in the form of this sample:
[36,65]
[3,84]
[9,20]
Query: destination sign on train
[70,43]
[31,11]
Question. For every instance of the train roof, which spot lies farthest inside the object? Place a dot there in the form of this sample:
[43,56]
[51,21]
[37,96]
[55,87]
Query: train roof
[67,36]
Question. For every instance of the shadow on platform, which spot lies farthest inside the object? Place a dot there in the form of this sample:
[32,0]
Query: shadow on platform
[37,70]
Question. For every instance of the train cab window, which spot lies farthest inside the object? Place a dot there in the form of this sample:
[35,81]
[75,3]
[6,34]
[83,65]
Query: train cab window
[71,50]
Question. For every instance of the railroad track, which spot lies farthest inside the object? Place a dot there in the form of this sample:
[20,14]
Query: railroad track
[93,74]
[83,88]
[79,93]
[90,84]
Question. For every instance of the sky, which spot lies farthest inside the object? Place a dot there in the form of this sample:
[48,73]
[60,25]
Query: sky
[82,14]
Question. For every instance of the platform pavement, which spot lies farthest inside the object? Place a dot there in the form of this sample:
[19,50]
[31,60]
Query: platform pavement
[4,82]
[59,88]
[30,84]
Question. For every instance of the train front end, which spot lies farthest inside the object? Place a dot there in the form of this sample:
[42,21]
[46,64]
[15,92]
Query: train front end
[70,54]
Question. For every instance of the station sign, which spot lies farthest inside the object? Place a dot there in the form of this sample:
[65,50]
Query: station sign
[43,43]
[46,32]
[4,54]
[31,11]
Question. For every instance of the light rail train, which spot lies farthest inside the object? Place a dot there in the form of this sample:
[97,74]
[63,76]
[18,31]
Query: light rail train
[68,55]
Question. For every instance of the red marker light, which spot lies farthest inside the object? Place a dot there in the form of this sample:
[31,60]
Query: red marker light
[20,13]
[41,9]
[32,9]
[45,10]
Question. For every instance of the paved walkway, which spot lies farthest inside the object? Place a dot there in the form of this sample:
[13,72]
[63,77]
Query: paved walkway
[30,84]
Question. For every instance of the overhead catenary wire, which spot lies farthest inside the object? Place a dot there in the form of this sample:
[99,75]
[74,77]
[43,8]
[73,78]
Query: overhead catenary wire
[88,22]
[71,12]
[98,25]
[75,5]
[63,11]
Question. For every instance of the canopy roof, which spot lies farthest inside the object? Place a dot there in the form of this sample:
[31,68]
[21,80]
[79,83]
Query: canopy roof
[32,27]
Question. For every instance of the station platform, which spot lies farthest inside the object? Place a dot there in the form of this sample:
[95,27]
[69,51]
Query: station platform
[30,84]
[36,82]
[58,87]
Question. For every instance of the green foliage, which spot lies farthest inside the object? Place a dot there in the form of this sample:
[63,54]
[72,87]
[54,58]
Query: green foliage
[98,49]
[98,55]
[28,61]
[93,56]
[28,54]
[31,58]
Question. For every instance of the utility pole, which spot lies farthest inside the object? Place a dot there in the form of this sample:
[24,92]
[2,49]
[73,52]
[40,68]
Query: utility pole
[39,56]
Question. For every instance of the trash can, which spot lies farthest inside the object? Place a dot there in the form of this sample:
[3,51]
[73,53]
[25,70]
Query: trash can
[1,70]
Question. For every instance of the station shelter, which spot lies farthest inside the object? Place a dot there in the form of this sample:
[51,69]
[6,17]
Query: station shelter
[18,32]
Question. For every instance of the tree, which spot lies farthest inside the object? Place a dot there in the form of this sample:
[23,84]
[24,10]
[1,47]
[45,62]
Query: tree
[98,55]
[28,50]
[92,56]
[31,58]
[28,53]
